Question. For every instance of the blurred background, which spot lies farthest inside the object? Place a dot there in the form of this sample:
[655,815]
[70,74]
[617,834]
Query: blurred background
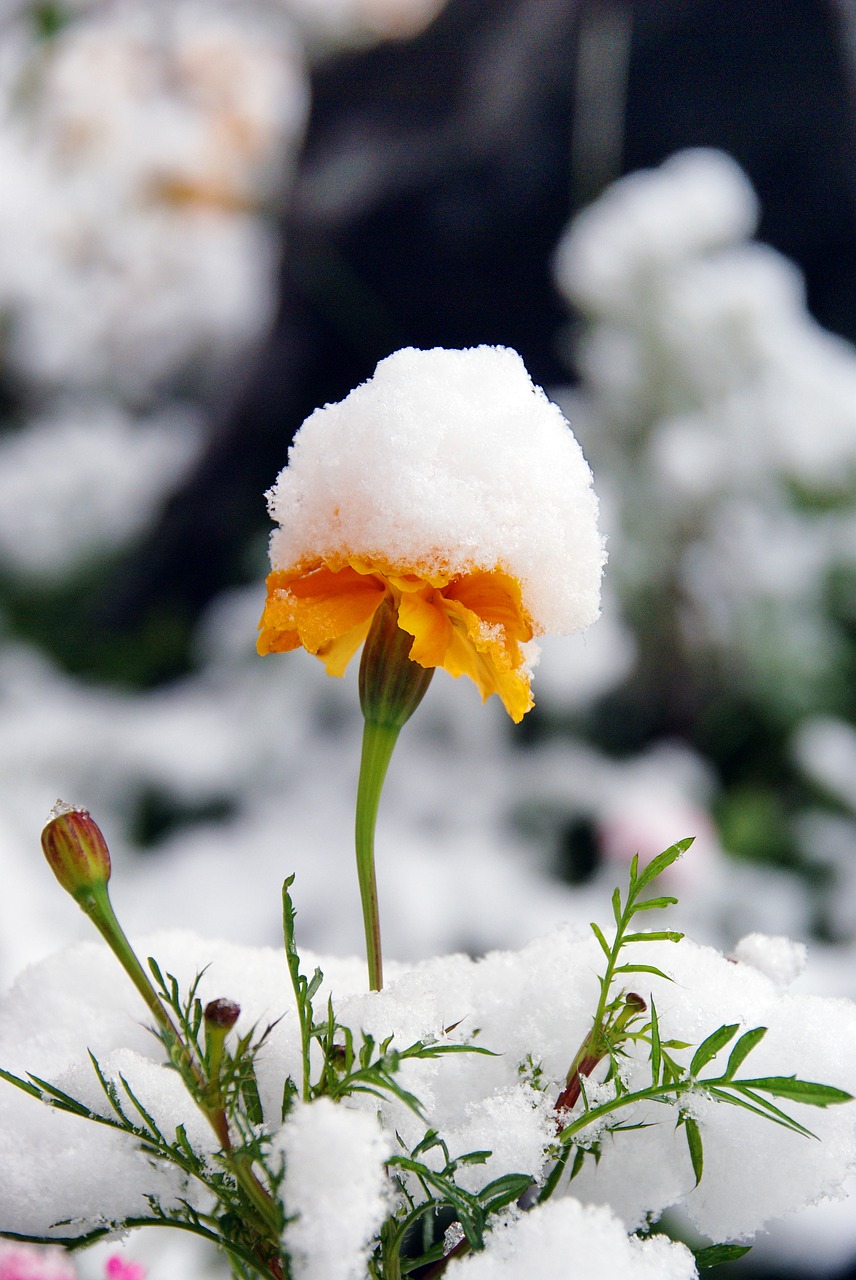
[215,216]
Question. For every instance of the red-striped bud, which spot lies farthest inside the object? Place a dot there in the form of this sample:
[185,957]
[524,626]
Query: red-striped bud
[76,850]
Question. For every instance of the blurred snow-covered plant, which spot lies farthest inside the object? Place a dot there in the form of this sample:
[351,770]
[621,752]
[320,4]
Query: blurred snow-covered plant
[140,145]
[722,421]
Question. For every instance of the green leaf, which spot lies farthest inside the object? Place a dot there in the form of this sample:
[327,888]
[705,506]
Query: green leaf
[714,1254]
[805,1091]
[24,1085]
[664,935]
[711,1046]
[761,1107]
[605,947]
[654,904]
[743,1048]
[659,864]
[616,907]
[695,1145]
[656,1050]
[250,1096]
[579,1161]
[643,968]
[505,1190]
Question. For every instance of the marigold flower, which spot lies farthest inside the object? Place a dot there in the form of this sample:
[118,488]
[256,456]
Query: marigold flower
[450,486]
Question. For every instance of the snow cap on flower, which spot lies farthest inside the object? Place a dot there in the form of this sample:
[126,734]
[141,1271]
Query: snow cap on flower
[450,482]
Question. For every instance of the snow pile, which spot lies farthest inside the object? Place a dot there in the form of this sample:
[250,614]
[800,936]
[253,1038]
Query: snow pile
[336,1186]
[541,1243]
[445,462]
[532,1008]
[721,422]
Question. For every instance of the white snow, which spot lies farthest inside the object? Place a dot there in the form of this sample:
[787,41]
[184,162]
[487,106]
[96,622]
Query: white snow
[542,1242]
[335,1185]
[533,1004]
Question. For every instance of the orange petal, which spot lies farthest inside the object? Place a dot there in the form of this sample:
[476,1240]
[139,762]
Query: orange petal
[496,598]
[423,616]
[338,653]
[319,606]
[490,663]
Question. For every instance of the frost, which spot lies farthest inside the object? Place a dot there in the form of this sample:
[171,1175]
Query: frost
[779,958]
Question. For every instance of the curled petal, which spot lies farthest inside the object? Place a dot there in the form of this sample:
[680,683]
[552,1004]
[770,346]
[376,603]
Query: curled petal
[317,608]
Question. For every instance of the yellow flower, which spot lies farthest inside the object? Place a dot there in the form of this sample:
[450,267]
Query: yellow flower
[471,624]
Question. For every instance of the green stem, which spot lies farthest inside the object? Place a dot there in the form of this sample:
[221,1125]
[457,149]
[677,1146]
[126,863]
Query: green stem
[378,744]
[95,902]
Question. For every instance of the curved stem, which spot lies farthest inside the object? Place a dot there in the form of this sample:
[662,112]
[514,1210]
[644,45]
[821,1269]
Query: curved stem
[378,744]
[95,902]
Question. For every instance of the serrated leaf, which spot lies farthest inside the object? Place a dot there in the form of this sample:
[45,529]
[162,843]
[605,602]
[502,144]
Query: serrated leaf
[662,935]
[694,1143]
[714,1254]
[743,1048]
[711,1046]
[805,1091]
[659,864]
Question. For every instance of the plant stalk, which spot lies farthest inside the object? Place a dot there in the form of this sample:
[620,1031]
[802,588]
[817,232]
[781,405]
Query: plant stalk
[378,744]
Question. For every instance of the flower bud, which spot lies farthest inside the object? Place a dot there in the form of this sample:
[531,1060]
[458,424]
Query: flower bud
[221,1015]
[76,850]
[391,684]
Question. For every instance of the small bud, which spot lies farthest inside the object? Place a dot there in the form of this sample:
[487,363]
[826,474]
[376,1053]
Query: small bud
[391,685]
[221,1015]
[76,850]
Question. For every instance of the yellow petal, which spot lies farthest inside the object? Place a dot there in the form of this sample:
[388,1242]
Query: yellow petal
[424,617]
[481,652]
[320,606]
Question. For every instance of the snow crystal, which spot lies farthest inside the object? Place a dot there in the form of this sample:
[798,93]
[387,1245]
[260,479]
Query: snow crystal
[542,1242]
[336,1186]
[448,461]
[780,959]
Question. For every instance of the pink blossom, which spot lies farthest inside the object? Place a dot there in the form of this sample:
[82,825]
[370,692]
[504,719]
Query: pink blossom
[118,1269]
[24,1262]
